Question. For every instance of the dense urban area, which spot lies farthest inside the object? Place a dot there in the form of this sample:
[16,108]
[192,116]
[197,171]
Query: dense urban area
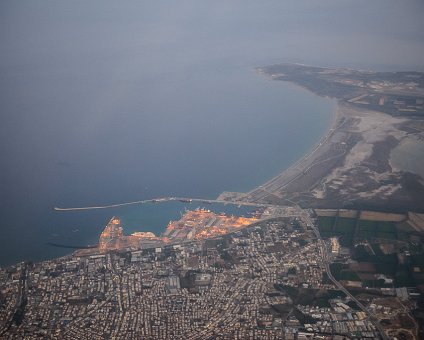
[297,276]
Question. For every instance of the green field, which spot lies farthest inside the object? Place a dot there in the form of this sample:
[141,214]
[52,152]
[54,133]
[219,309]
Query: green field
[351,231]
[345,225]
[345,228]
[342,227]
[325,224]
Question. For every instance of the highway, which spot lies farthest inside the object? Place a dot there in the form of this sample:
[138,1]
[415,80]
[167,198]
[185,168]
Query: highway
[168,199]
[326,262]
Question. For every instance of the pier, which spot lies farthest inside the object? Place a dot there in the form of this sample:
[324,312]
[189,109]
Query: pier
[168,199]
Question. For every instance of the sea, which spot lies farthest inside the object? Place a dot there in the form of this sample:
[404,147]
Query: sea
[104,102]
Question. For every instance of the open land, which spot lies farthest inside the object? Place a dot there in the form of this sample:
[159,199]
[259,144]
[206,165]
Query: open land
[379,258]
[371,156]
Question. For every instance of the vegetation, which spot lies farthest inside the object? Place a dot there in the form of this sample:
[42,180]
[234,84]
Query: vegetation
[403,261]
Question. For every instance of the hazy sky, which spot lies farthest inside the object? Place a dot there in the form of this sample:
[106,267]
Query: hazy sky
[383,32]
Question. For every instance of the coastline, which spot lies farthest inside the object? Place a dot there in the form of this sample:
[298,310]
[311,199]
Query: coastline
[342,168]
[251,198]
[350,167]
[294,171]
[301,166]
[327,175]
[334,125]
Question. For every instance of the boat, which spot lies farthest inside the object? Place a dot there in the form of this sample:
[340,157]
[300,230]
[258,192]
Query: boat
[184,200]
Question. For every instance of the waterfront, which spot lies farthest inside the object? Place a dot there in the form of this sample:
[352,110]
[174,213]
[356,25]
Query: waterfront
[203,168]
[174,108]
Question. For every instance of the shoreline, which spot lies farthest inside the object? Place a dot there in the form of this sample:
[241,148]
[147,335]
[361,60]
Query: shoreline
[316,148]
[351,165]
[306,182]
[295,171]
[334,125]
[239,198]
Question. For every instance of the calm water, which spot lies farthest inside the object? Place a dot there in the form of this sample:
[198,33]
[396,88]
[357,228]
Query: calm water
[104,103]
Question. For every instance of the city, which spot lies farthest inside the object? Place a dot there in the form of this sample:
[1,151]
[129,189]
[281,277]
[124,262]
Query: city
[212,170]
[268,280]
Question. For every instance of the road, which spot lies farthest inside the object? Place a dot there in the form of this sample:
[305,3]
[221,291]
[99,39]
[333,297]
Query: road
[305,216]
[326,262]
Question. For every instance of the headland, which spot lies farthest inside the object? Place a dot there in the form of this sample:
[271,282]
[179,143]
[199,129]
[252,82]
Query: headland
[370,156]
[378,116]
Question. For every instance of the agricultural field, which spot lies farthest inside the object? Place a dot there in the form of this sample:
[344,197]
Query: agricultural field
[352,230]
[393,249]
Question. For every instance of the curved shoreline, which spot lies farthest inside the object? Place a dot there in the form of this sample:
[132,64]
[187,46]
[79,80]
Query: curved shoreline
[245,198]
[242,198]
[301,167]
[316,148]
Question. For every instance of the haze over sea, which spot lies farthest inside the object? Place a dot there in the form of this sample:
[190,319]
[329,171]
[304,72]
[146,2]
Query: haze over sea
[106,102]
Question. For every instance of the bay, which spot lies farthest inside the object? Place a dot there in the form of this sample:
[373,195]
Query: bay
[104,103]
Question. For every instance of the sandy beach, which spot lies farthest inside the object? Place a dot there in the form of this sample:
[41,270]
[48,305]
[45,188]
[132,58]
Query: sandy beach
[349,167]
